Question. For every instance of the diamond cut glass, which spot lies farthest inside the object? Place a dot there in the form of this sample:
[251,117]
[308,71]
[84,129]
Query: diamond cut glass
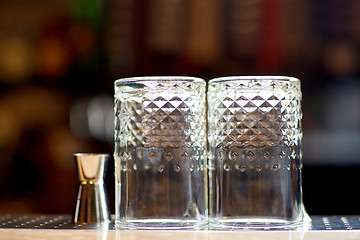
[160,153]
[255,152]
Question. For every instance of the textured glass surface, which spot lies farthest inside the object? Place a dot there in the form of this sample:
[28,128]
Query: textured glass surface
[255,113]
[160,155]
[255,151]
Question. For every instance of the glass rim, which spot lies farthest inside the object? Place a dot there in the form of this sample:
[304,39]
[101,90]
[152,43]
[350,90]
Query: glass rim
[254,78]
[159,78]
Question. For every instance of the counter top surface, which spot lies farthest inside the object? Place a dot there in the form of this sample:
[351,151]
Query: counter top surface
[28,227]
[30,234]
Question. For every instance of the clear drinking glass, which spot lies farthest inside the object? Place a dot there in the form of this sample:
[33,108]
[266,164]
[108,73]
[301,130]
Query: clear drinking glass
[255,152]
[160,153]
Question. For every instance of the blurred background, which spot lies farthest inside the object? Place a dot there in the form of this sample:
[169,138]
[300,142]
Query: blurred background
[59,59]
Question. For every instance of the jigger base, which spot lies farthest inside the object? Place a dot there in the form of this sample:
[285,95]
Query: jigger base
[91,204]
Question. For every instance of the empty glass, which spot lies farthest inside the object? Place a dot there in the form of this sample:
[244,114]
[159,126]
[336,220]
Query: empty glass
[255,152]
[160,153]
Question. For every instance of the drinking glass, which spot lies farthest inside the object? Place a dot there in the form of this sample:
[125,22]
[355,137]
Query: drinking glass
[160,153]
[255,152]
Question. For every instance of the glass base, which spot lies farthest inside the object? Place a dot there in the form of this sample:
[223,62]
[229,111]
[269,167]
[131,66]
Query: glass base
[162,224]
[259,223]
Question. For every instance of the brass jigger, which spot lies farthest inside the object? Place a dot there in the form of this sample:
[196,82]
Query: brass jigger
[91,203]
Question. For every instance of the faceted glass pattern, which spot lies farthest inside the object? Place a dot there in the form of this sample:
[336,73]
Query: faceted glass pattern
[159,113]
[254,112]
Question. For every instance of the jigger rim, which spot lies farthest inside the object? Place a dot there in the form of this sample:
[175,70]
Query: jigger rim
[91,154]
[255,78]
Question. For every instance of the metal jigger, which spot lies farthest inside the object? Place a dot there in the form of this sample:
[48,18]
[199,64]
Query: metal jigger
[91,203]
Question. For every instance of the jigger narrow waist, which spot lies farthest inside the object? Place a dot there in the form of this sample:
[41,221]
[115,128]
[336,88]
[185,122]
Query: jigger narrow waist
[93,181]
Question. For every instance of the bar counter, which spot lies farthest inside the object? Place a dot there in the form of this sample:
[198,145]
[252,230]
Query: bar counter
[26,227]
